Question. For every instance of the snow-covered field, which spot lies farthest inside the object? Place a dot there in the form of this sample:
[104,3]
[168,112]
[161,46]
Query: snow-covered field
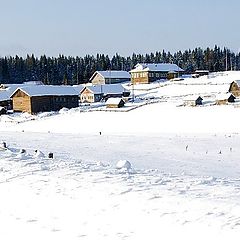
[184,182]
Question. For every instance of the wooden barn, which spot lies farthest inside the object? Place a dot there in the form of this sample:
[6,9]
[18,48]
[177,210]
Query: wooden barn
[115,103]
[193,101]
[34,99]
[225,98]
[235,88]
[150,72]
[109,77]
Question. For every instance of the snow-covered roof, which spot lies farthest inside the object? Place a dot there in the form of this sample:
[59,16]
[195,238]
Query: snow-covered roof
[6,93]
[107,89]
[112,74]
[79,88]
[157,67]
[47,90]
[223,96]
[113,101]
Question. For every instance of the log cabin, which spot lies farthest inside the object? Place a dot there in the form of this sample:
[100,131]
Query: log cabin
[150,72]
[34,99]
[110,77]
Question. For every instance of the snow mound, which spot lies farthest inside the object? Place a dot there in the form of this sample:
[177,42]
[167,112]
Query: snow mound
[123,164]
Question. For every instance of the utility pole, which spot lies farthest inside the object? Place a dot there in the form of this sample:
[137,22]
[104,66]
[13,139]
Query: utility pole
[77,74]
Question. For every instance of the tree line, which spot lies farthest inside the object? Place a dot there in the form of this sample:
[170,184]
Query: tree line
[76,70]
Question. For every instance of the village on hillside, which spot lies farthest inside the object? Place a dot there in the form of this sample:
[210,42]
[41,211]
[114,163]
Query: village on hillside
[124,91]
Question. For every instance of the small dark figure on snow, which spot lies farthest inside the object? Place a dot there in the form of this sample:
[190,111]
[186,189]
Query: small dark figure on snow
[100,133]
[186,147]
[50,155]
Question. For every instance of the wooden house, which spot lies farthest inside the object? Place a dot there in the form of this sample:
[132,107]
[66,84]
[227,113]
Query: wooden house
[225,98]
[150,72]
[34,99]
[235,88]
[6,90]
[96,93]
[193,101]
[115,103]
[109,77]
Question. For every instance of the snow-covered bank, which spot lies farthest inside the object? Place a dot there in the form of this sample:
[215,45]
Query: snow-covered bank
[150,119]
[81,194]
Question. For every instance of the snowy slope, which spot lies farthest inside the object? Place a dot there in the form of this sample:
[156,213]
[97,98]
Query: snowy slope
[184,182]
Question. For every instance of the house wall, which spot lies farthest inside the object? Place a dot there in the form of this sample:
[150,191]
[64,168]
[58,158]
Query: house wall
[58,102]
[139,77]
[98,79]
[21,102]
[41,104]
[87,96]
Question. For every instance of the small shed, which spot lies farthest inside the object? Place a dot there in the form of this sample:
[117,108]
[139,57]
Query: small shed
[193,101]
[115,103]
[225,98]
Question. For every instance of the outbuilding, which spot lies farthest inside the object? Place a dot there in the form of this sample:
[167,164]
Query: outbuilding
[193,101]
[115,103]
[225,98]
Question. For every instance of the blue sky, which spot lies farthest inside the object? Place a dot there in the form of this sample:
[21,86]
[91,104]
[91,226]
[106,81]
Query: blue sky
[79,27]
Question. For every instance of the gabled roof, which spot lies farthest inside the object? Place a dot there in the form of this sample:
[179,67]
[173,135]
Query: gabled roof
[114,101]
[112,74]
[107,89]
[47,90]
[157,67]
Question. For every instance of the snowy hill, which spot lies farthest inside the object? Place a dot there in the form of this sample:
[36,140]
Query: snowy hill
[157,170]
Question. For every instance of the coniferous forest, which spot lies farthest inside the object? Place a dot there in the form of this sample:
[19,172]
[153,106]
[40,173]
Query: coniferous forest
[77,70]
